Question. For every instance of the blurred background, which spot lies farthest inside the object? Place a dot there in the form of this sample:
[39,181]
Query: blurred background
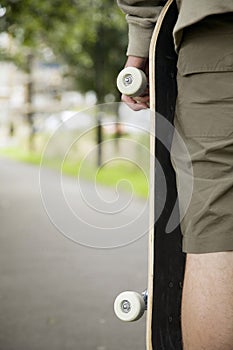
[61,123]
[57,56]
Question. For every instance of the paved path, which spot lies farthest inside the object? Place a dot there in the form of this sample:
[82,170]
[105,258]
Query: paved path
[56,294]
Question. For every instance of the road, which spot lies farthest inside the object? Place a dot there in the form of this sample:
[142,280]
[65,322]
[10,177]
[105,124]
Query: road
[57,294]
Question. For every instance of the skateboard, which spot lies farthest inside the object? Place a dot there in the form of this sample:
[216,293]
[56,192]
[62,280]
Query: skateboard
[166,262]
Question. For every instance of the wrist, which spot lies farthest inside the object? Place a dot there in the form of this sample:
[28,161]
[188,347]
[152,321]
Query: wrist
[138,62]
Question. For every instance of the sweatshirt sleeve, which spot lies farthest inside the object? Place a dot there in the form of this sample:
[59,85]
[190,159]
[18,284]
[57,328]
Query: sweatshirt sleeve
[141,16]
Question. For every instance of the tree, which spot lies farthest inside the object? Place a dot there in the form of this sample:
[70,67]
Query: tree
[89,36]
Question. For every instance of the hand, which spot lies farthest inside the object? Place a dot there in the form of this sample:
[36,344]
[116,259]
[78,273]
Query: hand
[140,102]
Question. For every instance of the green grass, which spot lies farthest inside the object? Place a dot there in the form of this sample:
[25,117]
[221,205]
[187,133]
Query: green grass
[20,155]
[127,176]
[122,175]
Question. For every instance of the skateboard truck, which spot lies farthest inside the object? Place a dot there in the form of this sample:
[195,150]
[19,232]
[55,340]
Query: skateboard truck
[130,306]
[132,81]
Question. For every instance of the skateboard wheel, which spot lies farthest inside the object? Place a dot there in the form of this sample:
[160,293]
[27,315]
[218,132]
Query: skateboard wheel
[129,306]
[132,81]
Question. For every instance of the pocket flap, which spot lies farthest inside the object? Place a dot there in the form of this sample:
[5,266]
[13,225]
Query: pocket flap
[189,62]
[207,46]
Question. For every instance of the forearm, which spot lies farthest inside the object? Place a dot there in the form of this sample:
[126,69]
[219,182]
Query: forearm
[141,17]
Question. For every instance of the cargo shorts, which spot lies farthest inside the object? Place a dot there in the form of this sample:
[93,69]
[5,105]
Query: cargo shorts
[204,120]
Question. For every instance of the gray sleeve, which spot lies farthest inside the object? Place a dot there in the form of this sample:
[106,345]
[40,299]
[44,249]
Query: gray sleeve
[141,17]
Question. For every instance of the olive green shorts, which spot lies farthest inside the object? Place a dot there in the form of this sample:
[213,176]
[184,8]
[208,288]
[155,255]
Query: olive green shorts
[204,119]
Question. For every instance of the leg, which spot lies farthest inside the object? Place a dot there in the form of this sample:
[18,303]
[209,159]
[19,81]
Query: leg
[204,120]
[207,308]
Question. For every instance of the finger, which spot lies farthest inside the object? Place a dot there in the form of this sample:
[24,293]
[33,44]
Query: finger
[133,104]
[142,99]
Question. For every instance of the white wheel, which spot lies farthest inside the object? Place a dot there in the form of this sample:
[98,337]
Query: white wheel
[129,306]
[131,81]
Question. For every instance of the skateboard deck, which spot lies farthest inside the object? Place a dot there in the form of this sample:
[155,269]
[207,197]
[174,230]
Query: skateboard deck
[166,262]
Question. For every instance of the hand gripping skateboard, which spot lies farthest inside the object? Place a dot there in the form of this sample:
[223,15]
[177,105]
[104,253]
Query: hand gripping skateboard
[166,262]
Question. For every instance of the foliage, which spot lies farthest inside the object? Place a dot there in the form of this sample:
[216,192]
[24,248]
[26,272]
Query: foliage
[88,36]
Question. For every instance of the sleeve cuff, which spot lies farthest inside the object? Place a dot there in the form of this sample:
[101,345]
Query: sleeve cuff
[139,40]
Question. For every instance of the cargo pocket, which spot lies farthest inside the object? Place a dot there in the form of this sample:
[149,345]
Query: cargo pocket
[205,80]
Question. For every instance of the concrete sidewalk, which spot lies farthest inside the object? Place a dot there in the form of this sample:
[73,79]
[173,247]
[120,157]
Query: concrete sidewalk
[56,294]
